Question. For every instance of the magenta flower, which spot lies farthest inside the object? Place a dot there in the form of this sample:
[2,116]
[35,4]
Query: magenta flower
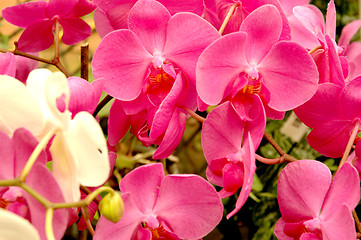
[113,15]
[163,207]
[14,154]
[156,58]
[39,19]
[253,62]
[333,112]
[315,207]
[229,147]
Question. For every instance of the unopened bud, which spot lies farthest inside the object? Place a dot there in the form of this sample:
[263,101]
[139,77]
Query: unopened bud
[112,207]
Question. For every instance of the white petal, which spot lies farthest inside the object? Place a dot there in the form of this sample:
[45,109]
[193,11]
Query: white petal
[86,141]
[14,227]
[18,107]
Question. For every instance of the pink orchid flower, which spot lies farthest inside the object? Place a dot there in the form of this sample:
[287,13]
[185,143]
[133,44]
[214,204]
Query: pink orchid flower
[315,206]
[333,112]
[78,150]
[113,15]
[14,154]
[156,58]
[329,58]
[13,227]
[39,19]
[163,207]
[228,147]
[252,62]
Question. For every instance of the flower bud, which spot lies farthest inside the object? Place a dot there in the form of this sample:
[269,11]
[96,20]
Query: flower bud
[112,207]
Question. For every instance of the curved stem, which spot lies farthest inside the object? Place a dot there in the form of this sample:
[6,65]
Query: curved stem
[49,224]
[55,62]
[349,144]
[280,151]
[357,221]
[270,161]
[57,40]
[35,154]
[85,212]
[45,202]
[315,49]
[193,114]
[229,15]
[104,102]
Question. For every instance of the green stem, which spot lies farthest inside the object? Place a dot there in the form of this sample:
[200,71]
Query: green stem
[10,182]
[35,154]
[49,224]
[57,41]
[45,202]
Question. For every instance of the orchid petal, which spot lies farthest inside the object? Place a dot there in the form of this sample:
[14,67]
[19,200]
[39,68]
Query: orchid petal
[340,226]
[146,179]
[83,95]
[22,137]
[102,23]
[187,36]
[302,187]
[14,227]
[42,181]
[118,123]
[218,66]
[323,107]
[194,6]
[17,103]
[344,189]
[37,37]
[83,7]
[279,230]
[249,164]
[7,154]
[330,139]
[88,148]
[7,64]
[222,132]
[172,136]
[30,12]
[335,67]
[165,112]
[348,32]
[74,30]
[64,169]
[121,62]
[288,70]
[148,20]
[350,100]
[186,200]
[331,20]
[263,27]
[310,20]
[60,7]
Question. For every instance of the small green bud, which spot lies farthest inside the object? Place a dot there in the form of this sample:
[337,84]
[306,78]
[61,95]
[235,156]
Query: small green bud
[112,207]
